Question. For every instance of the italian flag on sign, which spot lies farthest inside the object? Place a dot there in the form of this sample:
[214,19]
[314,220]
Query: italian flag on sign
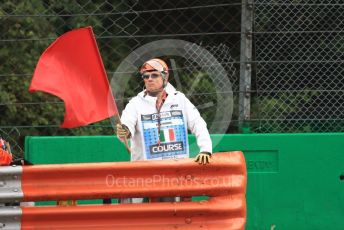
[167,135]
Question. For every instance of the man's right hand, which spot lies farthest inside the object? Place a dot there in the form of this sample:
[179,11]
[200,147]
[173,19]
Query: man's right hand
[122,131]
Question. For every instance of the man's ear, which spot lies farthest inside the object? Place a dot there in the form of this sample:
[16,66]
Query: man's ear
[165,75]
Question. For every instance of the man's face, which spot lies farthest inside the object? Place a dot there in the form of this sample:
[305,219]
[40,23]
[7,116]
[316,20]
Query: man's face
[153,81]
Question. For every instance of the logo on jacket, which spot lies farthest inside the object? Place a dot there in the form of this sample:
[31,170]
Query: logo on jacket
[173,106]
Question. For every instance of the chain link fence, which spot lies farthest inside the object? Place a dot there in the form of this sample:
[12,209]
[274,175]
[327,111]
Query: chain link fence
[296,81]
[299,54]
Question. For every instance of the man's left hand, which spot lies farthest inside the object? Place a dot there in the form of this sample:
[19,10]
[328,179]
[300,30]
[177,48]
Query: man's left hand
[203,158]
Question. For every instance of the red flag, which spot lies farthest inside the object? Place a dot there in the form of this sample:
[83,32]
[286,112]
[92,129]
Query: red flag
[71,68]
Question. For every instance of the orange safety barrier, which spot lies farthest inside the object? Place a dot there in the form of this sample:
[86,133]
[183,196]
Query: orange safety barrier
[224,176]
[223,180]
[217,213]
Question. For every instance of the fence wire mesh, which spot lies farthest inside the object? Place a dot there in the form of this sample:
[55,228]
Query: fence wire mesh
[299,56]
[297,74]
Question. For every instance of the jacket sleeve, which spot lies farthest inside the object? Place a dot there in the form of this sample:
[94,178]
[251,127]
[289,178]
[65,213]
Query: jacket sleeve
[129,117]
[198,127]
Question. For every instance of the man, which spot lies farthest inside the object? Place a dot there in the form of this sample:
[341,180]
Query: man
[5,153]
[157,119]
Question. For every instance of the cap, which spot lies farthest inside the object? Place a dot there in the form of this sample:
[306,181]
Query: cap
[154,64]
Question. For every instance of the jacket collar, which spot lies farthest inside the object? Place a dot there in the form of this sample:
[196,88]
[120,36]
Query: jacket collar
[170,90]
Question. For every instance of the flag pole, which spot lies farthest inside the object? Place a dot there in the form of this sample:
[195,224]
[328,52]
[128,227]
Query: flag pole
[118,119]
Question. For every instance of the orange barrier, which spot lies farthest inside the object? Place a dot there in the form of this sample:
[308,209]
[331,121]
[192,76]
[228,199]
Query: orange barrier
[224,176]
[223,180]
[217,213]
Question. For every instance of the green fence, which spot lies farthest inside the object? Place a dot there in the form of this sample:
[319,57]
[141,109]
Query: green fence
[295,181]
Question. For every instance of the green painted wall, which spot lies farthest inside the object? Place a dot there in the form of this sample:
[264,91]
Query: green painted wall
[294,180]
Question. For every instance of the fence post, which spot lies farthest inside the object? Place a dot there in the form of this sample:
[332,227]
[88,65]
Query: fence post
[245,65]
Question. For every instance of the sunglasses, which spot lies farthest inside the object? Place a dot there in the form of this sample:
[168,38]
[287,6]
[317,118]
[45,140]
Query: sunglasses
[152,75]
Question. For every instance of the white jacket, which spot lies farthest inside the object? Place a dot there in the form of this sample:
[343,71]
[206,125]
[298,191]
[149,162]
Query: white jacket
[176,114]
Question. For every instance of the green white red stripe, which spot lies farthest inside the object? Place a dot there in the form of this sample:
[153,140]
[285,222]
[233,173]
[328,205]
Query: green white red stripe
[167,135]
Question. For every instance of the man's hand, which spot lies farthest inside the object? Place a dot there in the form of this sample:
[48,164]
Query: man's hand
[203,158]
[122,131]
